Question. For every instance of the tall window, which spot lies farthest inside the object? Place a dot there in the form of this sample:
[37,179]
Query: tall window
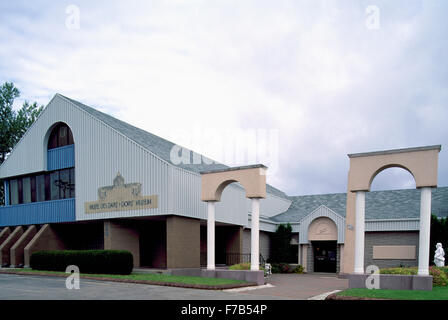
[54,185]
[60,136]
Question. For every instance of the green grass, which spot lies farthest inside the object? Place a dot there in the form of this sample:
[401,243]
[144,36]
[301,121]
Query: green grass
[151,277]
[437,293]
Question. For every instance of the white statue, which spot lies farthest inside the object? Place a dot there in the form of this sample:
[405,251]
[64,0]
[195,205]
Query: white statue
[439,259]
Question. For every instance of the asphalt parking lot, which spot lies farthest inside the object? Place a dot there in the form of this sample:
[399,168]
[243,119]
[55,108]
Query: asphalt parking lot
[284,287]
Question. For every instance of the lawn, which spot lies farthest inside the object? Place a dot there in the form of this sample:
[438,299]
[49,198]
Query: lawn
[152,277]
[437,293]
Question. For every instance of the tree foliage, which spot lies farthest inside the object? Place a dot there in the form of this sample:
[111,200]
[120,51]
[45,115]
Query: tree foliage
[439,233]
[281,244]
[13,124]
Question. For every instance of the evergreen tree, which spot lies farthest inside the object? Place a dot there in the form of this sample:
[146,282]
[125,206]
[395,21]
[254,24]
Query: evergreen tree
[281,244]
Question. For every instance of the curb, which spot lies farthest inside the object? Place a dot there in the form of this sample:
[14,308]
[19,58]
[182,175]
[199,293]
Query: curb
[334,296]
[323,296]
[157,283]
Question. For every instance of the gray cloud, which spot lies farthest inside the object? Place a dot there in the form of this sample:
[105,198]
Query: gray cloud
[309,69]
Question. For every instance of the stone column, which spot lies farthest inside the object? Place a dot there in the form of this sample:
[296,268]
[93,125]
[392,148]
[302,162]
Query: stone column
[254,235]
[359,232]
[210,235]
[425,228]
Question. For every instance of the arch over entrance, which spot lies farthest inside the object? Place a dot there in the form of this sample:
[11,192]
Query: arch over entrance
[253,179]
[322,229]
[422,163]
[323,238]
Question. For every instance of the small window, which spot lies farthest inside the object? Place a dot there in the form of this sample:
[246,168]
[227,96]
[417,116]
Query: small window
[14,191]
[33,189]
[26,189]
[47,187]
[64,184]
[54,185]
[40,188]
[72,183]
[60,136]
[20,187]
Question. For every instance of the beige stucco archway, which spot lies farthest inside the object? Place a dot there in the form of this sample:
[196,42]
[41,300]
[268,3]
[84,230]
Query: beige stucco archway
[253,179]
[322,229]
[422,163]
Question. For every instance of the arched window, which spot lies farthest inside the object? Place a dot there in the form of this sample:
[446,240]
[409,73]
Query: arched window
[60,136]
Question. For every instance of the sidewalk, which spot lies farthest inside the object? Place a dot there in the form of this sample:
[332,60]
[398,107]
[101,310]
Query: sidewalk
[301,286]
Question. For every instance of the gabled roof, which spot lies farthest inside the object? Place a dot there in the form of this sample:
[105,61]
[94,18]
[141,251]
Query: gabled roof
[155,144]
[389,204]
[302,206]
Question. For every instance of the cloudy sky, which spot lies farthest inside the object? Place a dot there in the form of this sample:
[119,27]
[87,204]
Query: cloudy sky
[296,85]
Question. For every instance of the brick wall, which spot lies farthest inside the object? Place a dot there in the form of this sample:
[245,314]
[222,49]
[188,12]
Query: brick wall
[182,242]
[122,235]
[45,239]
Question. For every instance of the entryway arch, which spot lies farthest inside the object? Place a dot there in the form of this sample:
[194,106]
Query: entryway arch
[323,236]
[253,179]
[422,163]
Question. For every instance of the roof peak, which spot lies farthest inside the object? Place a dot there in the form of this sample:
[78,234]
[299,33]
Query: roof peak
[159,146]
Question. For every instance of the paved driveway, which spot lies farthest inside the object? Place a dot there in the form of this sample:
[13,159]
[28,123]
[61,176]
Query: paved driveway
[24,287]
[302,286]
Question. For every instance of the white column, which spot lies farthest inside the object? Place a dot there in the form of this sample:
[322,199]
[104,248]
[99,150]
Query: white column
[425,228]
[254,235]
[359,231]
[210,235]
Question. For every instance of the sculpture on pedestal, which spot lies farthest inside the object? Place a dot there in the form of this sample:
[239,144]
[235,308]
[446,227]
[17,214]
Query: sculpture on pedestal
[439,255]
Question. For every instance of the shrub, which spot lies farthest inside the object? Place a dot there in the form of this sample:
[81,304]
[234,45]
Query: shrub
[286,268]
[439,275]
[242,266]
[88,261]
[298,269]
[404,271]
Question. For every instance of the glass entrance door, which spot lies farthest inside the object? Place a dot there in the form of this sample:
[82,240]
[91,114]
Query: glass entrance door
[324,256]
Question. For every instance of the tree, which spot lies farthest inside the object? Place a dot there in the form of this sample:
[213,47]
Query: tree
[13,124]
[439,233]
[281,244]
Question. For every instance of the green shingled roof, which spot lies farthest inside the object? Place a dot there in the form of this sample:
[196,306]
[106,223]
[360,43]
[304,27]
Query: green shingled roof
[390,204]
[157,145]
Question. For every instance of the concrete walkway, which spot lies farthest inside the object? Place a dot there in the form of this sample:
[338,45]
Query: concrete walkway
[301,286]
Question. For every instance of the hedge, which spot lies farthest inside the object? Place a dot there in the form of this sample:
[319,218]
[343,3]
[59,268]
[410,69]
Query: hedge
[439,275]
[88,261]
[286,268]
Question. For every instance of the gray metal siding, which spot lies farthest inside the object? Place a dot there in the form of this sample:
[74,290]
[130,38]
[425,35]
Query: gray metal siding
[265,243]
[102,152]
[393,225]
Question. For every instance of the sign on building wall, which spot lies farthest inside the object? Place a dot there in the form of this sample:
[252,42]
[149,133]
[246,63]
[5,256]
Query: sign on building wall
[121,197]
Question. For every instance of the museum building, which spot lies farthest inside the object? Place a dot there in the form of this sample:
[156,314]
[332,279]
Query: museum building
[81,179]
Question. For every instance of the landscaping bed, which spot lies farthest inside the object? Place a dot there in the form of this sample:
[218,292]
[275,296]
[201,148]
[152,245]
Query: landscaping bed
[439,291]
